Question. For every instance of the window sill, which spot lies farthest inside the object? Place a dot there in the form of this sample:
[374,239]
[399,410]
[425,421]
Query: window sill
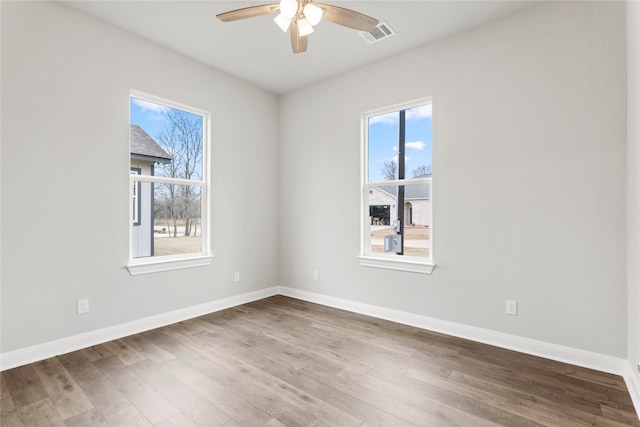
[145,267]
[395,264]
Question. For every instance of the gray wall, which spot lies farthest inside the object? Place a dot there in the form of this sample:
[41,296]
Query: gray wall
[529,178]
[65,176]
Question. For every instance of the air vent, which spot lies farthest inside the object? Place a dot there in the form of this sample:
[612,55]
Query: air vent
[382,31]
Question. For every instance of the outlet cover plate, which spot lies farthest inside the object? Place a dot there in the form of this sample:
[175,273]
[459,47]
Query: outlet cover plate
[83,306]
[511,308]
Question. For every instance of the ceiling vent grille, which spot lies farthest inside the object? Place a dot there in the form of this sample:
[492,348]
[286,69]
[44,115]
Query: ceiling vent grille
[382,31]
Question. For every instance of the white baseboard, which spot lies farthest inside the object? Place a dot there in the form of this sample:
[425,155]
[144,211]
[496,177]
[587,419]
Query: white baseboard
[632,379]
[573,356]
[39,352]
[544,349]
[587,359]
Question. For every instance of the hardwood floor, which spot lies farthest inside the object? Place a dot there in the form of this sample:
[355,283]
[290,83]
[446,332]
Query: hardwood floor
[284,362]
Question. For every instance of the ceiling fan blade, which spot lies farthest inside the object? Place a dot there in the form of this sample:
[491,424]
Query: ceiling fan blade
[347,17]
[249,12]
[298,43]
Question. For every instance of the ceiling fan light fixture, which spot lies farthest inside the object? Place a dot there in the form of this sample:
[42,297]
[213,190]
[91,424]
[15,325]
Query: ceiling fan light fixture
[304,27]
[288,8]
[283,22]
[299,17]
[313,13]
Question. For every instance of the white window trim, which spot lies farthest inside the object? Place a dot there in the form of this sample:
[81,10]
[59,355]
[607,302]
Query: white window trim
[384,261]
[168,264]
[137,266]
[397,264]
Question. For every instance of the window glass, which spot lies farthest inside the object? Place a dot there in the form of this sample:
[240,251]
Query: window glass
[168,179]
[398,181]
[383,216]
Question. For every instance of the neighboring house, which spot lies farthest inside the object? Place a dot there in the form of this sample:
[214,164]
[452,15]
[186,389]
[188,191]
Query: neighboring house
[417,205]
[145,153]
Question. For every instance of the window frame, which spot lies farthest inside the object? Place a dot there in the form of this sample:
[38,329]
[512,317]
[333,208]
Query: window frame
[154,264]
[381,260]
[135,196]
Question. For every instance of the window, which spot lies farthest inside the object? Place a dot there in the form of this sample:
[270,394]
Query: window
[397,183]
[168,185]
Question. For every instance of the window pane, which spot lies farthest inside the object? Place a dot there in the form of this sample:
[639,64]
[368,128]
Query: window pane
[167,142]
[169,136]
[418,142]
[383,142]
[169,222]
[177,219]
[411,204]
[383,147]
[398,217]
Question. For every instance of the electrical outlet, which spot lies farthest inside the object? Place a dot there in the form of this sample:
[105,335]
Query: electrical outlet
[83,306]
[511,308]
[236,276]
[316,275]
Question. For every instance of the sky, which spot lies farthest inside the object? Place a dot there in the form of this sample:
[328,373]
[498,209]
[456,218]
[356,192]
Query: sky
[383,140]
[152,118]
[147,115]
[383,134]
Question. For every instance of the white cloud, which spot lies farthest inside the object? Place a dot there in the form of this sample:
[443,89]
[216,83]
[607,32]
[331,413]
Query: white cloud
[395,159]
[422,112]
[389,118]
[418,145]
[150,106]
[416,113]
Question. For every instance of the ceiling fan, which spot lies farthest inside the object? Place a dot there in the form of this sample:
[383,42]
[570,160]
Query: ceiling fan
[301,16]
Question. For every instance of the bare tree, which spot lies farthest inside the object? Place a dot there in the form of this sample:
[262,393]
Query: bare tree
[390,170]
[421,170]
[181,137]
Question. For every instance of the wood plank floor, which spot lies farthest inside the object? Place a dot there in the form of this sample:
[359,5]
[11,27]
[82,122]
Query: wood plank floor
[284,362]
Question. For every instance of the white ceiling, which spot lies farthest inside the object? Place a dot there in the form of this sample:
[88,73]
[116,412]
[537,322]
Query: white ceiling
[257,51]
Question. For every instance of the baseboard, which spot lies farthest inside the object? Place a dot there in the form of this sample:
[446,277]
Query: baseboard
[587,359]
[632,379]
[547,350]
[38,352]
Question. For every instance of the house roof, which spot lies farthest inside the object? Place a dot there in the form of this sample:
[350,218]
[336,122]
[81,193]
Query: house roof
[143,147]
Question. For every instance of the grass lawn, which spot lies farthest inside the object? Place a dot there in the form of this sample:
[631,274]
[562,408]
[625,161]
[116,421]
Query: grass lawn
[192,244]
[176,245]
